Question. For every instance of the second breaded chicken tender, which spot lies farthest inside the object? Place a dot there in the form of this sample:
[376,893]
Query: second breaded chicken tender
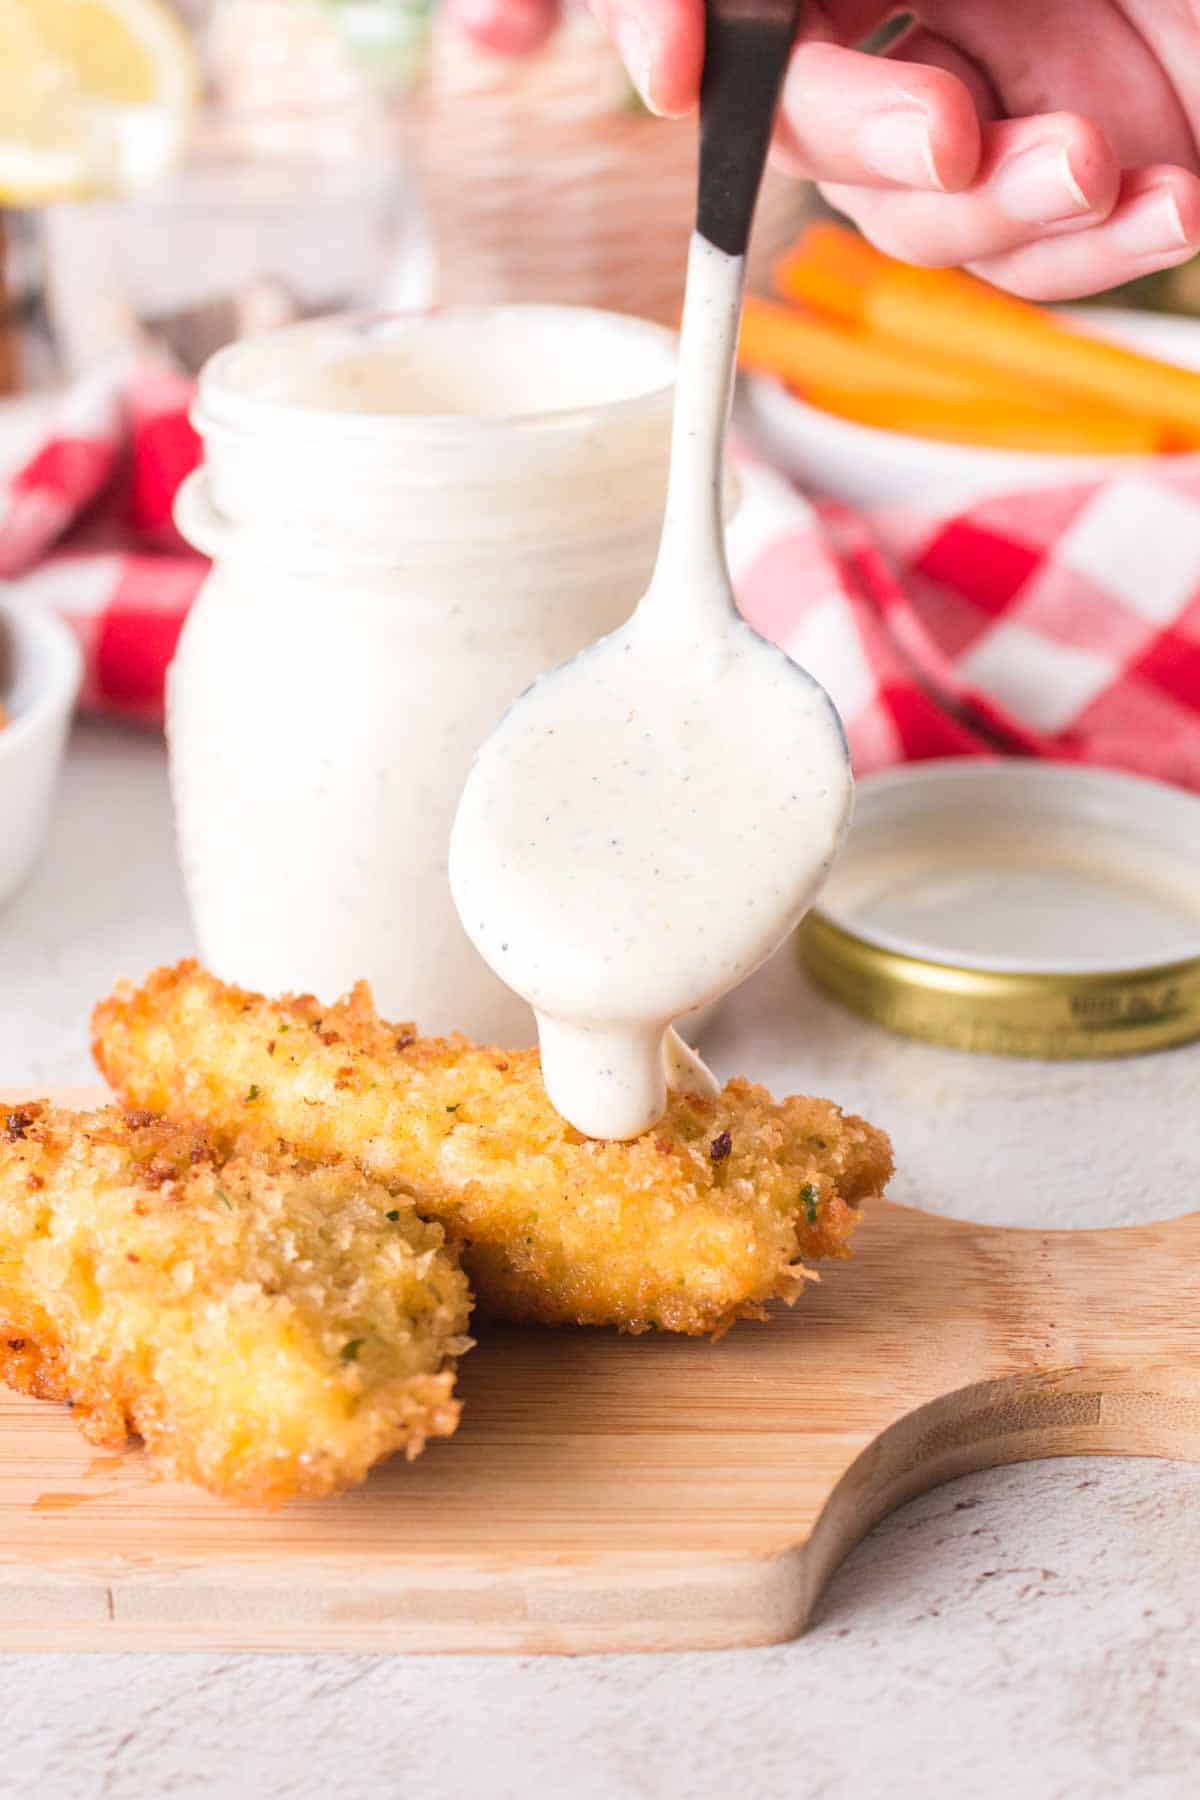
[269,1331]
[688,1228]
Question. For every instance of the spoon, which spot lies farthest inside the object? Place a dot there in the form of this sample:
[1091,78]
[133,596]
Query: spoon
[649,822]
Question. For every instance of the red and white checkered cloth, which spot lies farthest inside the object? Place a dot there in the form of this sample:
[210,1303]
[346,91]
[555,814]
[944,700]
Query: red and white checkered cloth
[86,530]
[1064,622]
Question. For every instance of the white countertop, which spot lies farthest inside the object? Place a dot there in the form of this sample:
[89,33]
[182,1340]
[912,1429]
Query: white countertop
[1031,1632]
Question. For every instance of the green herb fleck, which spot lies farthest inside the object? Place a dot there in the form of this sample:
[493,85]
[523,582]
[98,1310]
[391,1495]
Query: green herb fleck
[252,1091]
[223,1197]
[394,1217]
[350,1351]
[284,1028]
[810,1193]
[455,1107]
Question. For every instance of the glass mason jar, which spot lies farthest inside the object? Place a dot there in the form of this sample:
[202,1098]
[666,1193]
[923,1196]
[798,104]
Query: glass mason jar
[411,518]
[544,177]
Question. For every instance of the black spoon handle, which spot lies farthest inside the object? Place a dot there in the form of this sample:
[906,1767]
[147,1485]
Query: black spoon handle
[745,55]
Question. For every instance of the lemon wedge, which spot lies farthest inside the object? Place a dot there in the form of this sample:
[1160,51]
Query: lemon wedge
[95,96]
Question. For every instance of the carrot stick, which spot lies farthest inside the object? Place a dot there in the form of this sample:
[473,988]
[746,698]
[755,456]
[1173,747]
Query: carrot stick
[999,425]
[948,315]
[801,349]
[863,376]
[829,268]
[961,320]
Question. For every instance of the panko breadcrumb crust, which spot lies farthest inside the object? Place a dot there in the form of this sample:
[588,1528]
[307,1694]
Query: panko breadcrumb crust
[698,1223]
[269,1331]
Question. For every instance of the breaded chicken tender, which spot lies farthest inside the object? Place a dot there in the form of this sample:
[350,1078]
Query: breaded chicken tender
[688,1228]
[268,1331]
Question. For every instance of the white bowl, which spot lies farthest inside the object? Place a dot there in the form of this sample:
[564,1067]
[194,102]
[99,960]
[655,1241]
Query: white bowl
[42,672]
[865,466]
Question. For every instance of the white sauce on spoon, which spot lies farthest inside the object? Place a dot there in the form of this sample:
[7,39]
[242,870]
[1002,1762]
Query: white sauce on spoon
[649,822]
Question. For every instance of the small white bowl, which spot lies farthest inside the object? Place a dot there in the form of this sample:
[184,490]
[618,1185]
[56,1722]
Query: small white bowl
[42,670]
[866,466]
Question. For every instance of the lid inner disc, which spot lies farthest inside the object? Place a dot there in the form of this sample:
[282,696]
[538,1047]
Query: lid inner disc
[1008,867]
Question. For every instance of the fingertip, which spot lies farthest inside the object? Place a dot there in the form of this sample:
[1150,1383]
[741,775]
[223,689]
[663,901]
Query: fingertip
[1186,193]
[1181,190]
[847,116]
[1049,173]
[681,55]
[507,27]
[1090,160]
[955,134]
[661,43]
[1154,225]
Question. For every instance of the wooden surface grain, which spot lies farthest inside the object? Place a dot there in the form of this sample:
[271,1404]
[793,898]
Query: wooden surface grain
[649,1493]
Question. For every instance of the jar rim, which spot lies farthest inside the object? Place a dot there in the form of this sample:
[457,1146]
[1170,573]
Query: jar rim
[230,397]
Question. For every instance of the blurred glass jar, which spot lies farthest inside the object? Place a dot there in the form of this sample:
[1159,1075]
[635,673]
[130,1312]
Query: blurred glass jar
[546,179]
[293,200]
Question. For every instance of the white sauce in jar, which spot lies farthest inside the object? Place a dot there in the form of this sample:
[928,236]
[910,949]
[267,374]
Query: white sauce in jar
[411,520]
[648,824]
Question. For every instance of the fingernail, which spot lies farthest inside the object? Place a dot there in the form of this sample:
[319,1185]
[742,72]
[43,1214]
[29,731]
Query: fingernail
[1038,186]
[634,48]
[897,145]
[1152,225]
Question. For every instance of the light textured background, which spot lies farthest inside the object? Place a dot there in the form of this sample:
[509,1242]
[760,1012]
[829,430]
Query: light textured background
[1030,1633]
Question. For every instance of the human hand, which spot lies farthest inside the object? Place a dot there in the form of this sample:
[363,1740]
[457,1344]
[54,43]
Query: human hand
[1051,148]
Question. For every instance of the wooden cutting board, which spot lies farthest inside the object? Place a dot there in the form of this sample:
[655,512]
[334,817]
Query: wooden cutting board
[651,1493]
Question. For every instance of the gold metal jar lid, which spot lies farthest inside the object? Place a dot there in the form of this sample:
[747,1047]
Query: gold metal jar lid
[1017,909]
